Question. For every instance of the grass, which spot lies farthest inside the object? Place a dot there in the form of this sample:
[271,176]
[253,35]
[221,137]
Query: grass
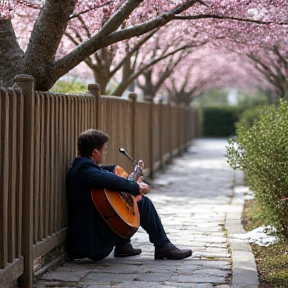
[272,261]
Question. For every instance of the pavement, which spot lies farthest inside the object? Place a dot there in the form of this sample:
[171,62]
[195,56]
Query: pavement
[200,201]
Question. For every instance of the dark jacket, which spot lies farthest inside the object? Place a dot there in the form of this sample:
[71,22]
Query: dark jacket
[88,234]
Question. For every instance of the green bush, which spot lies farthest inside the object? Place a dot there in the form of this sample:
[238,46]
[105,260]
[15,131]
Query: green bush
[220,121]
[262,153]
[69,87]
[249,116]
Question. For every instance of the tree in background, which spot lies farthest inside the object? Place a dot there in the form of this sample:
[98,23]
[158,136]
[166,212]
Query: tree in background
[156,50]
[54,17]
[41,56]
[226,62]
[264,46]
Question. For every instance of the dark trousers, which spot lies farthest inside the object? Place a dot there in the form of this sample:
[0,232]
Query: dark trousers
[151,222]
[106,239]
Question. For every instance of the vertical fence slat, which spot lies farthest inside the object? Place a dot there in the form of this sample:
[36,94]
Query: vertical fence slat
[59,163]
[19,179]
[4,177]
[160,120]
[37,144]
[66,156]
[170,135]
[12,176]
[69,130]
[47,168]
[75,122]
[133,97]
[51,191]
[151,139]
[42,157]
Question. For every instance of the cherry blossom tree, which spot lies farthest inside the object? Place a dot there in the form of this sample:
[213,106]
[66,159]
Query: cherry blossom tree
[132,60]
[38,59]
[202,73]
[265,46]
[148,85]
[133,56]
[41,55]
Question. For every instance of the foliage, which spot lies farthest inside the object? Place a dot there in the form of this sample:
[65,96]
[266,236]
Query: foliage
[272,261]
[34,38]
[260,97]
[213,97]
[249,116]
[261,152]
[220,121]
[69,87]
[219,97]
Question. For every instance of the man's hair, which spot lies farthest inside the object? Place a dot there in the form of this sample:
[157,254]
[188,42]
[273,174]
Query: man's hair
[89,140]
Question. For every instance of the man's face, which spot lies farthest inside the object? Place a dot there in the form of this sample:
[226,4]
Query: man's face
[102,153]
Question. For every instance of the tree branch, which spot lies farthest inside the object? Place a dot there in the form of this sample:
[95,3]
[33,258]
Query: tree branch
[48,30]
[102,39]
[135,48]
[211,16]
[124,84]
[88,10]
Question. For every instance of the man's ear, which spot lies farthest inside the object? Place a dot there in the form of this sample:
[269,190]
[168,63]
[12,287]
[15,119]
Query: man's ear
[95,153]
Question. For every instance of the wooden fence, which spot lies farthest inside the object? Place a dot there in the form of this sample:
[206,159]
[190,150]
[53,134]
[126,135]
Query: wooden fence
[38,139]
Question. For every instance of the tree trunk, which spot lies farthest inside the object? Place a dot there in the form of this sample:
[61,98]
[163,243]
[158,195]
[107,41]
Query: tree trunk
[11,54]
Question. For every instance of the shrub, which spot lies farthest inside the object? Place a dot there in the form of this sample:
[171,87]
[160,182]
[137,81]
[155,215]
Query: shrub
[69,87]
[262,153]
[249,116]
[220,121]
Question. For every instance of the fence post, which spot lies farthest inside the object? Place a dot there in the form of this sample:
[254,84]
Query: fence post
[170,134]
[184,123]
[180,129]
[133,97]
[151,140]
[26,83]
[161,133]
[95,90]
[186,130]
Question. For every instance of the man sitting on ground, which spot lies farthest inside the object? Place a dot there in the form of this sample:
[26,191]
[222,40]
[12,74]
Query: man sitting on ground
[88,234]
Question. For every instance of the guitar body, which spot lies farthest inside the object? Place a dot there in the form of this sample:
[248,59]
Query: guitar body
[118,209]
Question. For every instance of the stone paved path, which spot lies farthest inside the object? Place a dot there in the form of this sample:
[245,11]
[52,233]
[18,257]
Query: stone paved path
[192,197]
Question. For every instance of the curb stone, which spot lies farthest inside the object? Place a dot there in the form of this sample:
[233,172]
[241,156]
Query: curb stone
[244,267]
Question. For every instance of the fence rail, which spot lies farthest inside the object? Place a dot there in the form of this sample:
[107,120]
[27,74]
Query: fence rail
[38,138]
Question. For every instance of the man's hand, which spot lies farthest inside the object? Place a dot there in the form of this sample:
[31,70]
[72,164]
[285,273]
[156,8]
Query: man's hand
[143,188]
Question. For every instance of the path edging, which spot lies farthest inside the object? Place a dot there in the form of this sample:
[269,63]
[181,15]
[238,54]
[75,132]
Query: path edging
[244,269]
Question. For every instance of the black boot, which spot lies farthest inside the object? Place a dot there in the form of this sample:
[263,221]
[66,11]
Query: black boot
[126,250]
[169,251]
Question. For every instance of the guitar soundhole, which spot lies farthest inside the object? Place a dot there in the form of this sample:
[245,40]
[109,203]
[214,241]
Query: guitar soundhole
[130,200]
[130,210]
[127,198]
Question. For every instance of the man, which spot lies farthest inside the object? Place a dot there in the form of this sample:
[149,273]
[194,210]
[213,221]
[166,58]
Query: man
[88,234]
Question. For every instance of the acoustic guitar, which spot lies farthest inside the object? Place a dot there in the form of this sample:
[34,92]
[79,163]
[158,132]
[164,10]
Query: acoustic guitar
[118,209]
